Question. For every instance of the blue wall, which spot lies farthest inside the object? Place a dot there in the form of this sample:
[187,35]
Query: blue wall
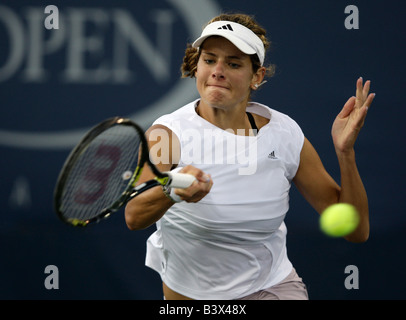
[55,84]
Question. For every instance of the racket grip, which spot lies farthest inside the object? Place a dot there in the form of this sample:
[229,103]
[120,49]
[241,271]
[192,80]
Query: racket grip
[180,180]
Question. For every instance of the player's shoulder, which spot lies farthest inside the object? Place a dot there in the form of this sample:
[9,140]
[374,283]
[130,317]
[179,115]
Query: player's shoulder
[275,117]
[185,112]
[176,121]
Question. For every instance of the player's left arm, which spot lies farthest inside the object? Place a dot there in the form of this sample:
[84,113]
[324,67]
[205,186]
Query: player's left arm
[317,186]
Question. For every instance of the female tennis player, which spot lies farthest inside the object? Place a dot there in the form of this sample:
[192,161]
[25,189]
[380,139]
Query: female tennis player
[224,237]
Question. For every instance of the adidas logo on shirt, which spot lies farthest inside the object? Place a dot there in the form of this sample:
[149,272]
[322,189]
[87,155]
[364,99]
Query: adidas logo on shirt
[272,155]
[226,26]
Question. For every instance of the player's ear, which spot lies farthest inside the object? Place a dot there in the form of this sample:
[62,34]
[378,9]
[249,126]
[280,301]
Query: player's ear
[258,77]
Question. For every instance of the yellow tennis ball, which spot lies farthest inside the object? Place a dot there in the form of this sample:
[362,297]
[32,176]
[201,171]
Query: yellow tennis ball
[339,220]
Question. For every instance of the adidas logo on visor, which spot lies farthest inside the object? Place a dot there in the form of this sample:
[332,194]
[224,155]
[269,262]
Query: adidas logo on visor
[246,40]
[227,26]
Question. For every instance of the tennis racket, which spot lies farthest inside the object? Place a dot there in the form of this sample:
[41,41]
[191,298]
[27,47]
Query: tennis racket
[100,174]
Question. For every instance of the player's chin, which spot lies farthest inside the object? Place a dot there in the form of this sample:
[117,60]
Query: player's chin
[216,99]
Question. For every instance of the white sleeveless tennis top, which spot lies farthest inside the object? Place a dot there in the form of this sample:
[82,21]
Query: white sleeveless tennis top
[233,242]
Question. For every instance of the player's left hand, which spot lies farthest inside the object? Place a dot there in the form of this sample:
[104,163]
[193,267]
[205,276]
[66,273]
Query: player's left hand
[350,120]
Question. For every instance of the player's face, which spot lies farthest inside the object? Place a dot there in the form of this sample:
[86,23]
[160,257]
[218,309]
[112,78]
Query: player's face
[224,74]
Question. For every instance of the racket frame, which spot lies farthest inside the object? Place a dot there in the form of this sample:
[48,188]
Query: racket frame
[130,191]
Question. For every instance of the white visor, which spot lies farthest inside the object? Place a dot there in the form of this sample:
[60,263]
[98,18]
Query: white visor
[242,37]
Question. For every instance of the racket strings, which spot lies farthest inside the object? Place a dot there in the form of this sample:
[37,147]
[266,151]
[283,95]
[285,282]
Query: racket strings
[102,173]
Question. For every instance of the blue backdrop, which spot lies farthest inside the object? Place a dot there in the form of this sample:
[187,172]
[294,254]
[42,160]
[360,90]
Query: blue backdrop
[122,58]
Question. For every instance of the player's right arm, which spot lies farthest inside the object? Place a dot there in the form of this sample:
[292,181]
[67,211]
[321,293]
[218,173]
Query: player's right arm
[148,207]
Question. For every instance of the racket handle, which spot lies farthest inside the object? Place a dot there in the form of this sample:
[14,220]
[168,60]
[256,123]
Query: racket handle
[180,180]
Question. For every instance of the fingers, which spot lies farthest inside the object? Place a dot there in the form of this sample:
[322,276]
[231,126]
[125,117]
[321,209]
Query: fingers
[199,189]
[347,109]
[351,119]
[365,91]
[199,174]
[362,103]
[362,92]
[359,89]
[369,100]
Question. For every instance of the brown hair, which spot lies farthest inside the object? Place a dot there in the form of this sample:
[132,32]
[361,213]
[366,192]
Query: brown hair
[192,55]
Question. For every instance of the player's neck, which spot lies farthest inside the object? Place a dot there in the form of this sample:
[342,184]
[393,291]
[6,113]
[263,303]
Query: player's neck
[226,117]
